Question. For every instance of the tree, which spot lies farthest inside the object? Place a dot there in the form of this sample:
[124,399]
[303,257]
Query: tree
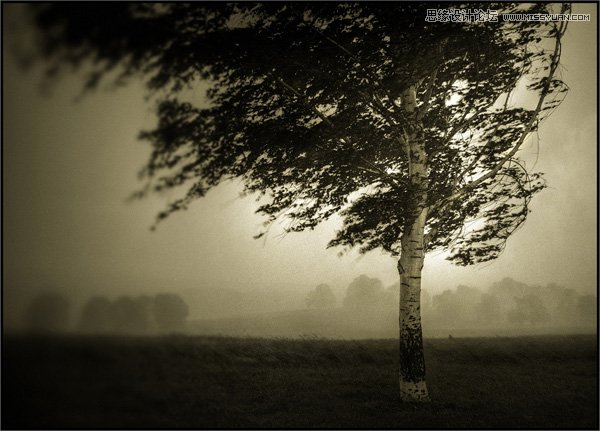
[121,311]
[488,311]
[404,127]
[587,309]
[528,310]
[446,308]
[507,288]
[364,293]
[391,296]
[48,312]
[170,312]
[321,297]
[564,303]
[454,308]
[144,309]
[96,315]
[129,315]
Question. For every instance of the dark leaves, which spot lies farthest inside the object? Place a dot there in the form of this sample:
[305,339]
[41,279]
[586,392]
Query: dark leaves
[304,107]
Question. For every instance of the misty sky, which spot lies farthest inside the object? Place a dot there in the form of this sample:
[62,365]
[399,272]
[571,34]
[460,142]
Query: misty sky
[68,168]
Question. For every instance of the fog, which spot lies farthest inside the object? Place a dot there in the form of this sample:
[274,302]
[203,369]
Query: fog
[112,320]
[70,162]
[365,309]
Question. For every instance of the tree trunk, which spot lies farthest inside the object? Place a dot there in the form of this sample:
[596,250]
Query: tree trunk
[412,362]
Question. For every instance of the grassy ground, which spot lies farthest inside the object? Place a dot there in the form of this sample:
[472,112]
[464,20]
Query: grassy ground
[211,382]
[346,322]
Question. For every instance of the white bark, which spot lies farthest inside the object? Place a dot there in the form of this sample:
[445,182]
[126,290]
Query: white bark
[412,362]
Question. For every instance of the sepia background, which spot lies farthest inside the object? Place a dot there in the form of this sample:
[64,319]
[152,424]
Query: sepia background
[70,162]
[196,325]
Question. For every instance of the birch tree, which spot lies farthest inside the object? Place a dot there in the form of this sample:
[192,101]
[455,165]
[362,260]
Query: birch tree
[408,129]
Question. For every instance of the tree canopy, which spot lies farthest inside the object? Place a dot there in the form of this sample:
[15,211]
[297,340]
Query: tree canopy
[305,106]
[321,297]
[170,312]
[364,292]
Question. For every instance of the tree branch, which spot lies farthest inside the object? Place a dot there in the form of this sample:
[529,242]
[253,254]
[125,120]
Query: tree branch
[374,100]
[372,168]
[425,106]
[534,116]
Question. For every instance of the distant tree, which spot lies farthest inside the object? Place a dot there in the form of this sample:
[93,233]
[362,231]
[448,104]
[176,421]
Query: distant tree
[144,314]
[446,308]
[48,312]
[96,316]
[404,127]
[488,311]
[468,298]
[363,293]
[508,288]
[587,309]
[529,310]
[426,300]
[321,297]
[170,312]
[127,316]
[455,307]
[564,304]
[391,297]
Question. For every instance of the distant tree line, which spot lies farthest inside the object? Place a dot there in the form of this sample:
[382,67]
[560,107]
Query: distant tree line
[48,312]
[163,313]
[321,297]
[507,302]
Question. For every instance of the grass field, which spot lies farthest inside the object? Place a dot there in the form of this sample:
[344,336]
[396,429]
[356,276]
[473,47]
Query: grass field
[210,382]
[346,322]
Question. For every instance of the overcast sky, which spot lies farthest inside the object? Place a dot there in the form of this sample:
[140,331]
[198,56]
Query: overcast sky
[69,166]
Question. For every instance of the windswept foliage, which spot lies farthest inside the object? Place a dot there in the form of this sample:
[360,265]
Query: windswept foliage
[402,126]
[304,105]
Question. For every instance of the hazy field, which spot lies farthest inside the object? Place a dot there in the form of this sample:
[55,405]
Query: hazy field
[348,323]
[212,382]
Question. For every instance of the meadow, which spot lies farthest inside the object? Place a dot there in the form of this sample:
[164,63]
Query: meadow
[74,381]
